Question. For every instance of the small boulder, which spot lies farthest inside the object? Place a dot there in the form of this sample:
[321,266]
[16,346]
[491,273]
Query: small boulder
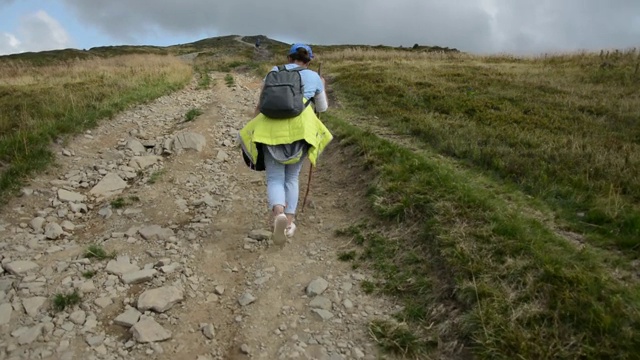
[320,302]
[78,317]
[317,287]
[323,314]
[33,305]
[21,267]
[111,184]
[128,318]
[5,313]
[137,277]
[246,299]
[189,141]
[37,224]
[155,232]
[53,231]
[30,335]
[208,331]
[135,146]
[70,196]
[148,330]
[160,299]
[121,266]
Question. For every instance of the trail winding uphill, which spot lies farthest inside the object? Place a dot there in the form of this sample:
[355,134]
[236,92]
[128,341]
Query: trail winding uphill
[188,271]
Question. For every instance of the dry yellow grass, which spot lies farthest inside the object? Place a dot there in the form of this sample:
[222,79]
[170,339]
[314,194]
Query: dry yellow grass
[22,73]
[358,53]
[67,83]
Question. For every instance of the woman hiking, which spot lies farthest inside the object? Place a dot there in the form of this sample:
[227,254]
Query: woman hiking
[280,145]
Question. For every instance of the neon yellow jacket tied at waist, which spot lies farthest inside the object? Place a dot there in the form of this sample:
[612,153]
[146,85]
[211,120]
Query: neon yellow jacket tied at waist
[264,130]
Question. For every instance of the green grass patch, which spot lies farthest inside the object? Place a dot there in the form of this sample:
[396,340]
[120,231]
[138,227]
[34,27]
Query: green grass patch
[118,203]
[229,80]
[63,301]
[368,287]
[400,340]
[347,255]
[89,274]
[204,80]
[514,288]
[192,114]
[354,231]
[155,177]
[98,252]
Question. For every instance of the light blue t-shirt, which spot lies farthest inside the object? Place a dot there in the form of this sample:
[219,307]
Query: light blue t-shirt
[310,80]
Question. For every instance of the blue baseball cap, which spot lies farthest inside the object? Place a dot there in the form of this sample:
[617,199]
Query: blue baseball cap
[296,46]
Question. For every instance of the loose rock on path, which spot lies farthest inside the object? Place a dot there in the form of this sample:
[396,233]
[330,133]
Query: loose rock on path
[187,268]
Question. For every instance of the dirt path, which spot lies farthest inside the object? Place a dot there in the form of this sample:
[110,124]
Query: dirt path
[259,54]
[193,276]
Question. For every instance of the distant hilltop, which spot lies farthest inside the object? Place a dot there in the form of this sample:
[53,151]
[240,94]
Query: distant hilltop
[228,43]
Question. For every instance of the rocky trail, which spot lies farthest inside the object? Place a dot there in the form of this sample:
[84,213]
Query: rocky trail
[188,270]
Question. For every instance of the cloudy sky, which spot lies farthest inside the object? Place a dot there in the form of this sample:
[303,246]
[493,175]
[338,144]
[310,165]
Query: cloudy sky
[478,26]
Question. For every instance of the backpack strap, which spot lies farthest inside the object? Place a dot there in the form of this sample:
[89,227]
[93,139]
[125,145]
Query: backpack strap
[311,100]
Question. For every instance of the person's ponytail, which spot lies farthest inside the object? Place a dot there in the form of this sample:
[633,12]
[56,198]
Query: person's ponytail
[301,54]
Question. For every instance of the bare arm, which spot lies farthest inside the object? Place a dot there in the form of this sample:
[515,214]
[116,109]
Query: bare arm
[321,101]
[322,104]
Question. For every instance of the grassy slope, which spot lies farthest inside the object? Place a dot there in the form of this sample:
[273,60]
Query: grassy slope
[564,129]
[39,103]
[520,289]
[556,129]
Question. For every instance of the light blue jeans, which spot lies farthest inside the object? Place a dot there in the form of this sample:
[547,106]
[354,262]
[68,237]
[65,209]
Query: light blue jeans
[282,183]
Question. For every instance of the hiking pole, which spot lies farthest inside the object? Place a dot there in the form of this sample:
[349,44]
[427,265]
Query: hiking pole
[310,165]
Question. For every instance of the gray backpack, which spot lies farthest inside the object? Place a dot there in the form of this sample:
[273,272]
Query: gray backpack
[283,94]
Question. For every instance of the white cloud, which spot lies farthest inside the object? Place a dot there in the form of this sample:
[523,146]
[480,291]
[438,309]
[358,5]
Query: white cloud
[35,32]
[470,25]
[9,44]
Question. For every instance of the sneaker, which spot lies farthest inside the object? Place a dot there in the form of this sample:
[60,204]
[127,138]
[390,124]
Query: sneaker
[291,229]
[279,227]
